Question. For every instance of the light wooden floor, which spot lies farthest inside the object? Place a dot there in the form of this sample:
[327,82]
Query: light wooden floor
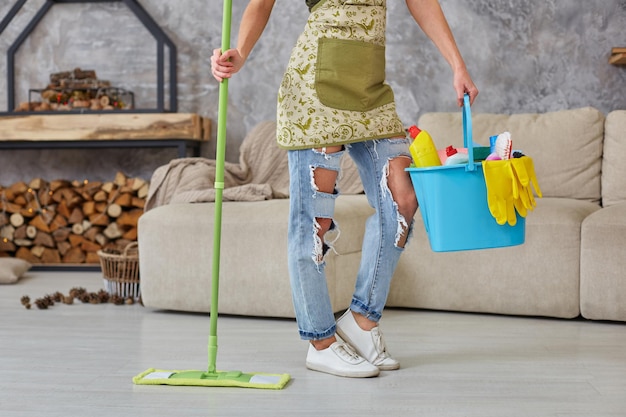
[78,360]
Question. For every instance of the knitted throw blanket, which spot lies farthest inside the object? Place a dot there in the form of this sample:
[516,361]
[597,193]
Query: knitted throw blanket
[262,173]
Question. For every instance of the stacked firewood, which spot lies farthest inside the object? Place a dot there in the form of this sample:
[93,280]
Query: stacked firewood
[68,222]
[77,89]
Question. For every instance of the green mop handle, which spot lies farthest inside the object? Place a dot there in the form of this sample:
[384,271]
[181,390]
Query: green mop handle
[219,188]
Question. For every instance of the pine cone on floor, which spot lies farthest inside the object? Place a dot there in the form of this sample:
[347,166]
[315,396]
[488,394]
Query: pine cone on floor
[103,296]
[116,299]
[41,303]
[48,298]
[94,298]
[76,292]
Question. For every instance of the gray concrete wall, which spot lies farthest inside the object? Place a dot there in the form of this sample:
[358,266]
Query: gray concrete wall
[524,55]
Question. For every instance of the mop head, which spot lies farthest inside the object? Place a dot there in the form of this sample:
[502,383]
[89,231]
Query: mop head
[207,379]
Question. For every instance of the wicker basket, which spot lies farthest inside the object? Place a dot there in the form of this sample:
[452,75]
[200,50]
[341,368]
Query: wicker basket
[121,271]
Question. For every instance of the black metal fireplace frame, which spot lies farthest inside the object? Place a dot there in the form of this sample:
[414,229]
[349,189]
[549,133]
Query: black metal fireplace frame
[159,35]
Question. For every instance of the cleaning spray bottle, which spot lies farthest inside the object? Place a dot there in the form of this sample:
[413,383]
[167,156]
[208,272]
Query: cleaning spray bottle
[453,156]
[423,149]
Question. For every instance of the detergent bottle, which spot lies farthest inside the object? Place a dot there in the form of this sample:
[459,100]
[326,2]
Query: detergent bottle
[453,156]
[423,149]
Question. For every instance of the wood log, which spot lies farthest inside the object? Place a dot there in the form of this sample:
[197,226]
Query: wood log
[58,222]
[37,184]
[92,258]
[71,197]
[107,187]
[7,232]
[78,229]
[91,233]
[120,179]
[114,210]
[7,246]
[4,219]
[101,207]
[88,246]
[63,247]
[74,256]
[99,219]
[50,256]
[143,191]
[75,240]
[102,240]
[101,196]
[40,224]
[31,231]
[113,231]
[77,216]
[24,253]
[129,218]
[20,200]
[17,188]
[10,207]
[136,183]
[17,219]
[86,224]
[63,209]
[61,235]
[44,239]
[124,200]
[23,243]
[20,232]
[57,184]
[89,207]
[37,251]
[138,202]
[130,234]
[45,196]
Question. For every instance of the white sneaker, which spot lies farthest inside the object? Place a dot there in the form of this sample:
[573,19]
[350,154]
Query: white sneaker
[341,360]
[368,344]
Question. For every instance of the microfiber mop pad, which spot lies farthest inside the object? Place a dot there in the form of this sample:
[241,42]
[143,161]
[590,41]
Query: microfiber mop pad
[208,379]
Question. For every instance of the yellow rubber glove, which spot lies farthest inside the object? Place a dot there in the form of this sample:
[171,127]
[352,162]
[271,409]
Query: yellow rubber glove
[502,190]
[525,174]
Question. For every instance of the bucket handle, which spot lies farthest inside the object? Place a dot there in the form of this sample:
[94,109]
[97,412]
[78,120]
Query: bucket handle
[467,133]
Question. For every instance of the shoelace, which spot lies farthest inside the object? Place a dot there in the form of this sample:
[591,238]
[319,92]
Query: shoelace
[347,352]
[379,344]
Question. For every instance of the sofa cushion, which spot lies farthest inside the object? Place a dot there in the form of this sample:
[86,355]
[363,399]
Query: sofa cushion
[614,159]
[176,251]
[566,146]
[602,264]
[538,278]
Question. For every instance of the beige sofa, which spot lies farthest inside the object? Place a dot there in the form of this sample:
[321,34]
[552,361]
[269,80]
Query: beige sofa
[573,261]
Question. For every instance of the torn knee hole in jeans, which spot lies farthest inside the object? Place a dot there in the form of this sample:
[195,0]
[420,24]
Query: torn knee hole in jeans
[403,230]
[321,245]
[327,176]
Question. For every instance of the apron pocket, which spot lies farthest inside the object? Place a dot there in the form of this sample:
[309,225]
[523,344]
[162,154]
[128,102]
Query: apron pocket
[350,75]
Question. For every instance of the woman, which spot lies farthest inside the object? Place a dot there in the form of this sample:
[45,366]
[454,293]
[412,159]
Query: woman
[333,98]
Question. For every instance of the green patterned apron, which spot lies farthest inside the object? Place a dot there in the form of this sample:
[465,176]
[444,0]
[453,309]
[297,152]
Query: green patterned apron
[334,91]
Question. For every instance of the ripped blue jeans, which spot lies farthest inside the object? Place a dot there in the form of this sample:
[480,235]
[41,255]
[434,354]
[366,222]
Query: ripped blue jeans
[380,252]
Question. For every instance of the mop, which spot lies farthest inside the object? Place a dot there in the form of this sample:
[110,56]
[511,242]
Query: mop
[212,377]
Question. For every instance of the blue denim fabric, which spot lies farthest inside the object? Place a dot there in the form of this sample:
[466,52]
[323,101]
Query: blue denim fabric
[380,252]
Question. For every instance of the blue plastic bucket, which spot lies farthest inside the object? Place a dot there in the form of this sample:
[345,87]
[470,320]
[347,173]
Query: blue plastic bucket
[453,203]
